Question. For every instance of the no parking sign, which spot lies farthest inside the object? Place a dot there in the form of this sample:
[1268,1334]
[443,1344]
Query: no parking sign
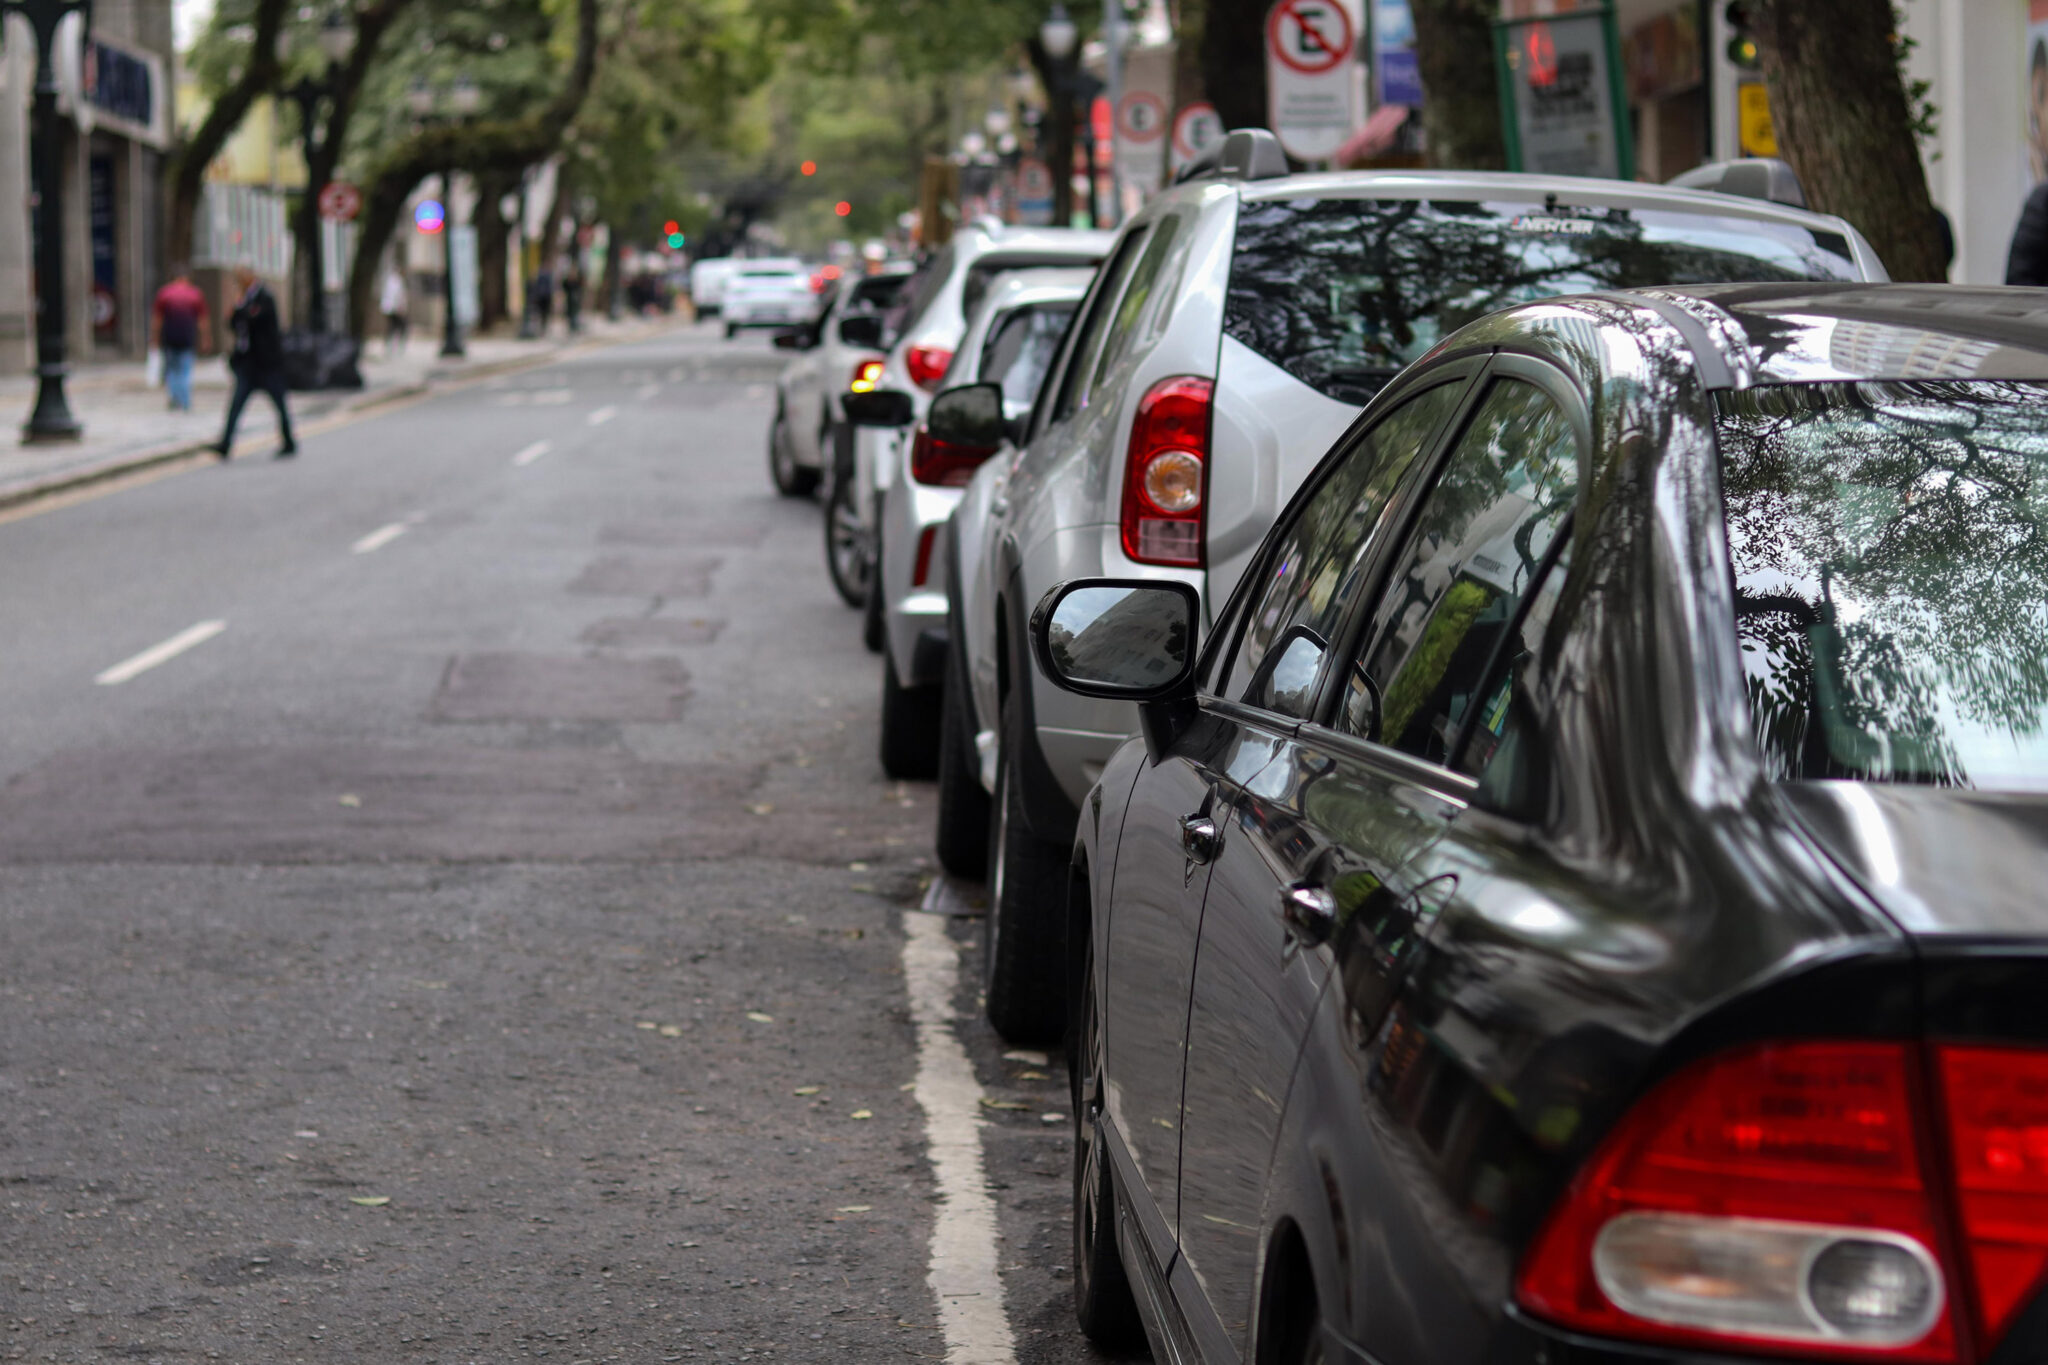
[1311,48]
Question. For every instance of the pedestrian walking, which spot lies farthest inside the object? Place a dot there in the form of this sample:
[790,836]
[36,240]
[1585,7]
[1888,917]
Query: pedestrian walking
[2027,261]
[182,328]
[395,304]
[542,293]
[257,359]
[572,297]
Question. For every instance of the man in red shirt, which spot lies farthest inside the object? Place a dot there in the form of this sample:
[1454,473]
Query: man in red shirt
[181,327]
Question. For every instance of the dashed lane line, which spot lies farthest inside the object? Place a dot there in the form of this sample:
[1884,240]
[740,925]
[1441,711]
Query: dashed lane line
[646,391]
[160,653]
[602,415]
[378,538]
[962,1269]
[531,453]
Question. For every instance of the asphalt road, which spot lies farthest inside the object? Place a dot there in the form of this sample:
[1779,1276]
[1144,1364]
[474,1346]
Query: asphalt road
[450,911]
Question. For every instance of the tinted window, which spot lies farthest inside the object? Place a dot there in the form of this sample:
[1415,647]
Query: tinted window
[1496,746]
[918,295]
[1341,293]
[1020,350]
[1313,570]
[1088,345]
[1506,490]
[1130,308]
[876,293]
[1890,547]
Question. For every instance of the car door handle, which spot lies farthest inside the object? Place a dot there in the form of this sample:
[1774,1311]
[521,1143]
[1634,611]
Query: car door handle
[1199,839]
[1309,912]
[998,504]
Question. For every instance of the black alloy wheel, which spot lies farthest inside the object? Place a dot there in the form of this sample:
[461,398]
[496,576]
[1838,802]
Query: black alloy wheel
[1023,963]
[1103,1302]
[962,834]
[846,542]
[792,480]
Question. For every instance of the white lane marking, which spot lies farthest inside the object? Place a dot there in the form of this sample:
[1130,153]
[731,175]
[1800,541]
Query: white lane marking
[378,538]
[646,391]
[962,1270]
[161,653]
[531,453]
[602,415]
[552,395]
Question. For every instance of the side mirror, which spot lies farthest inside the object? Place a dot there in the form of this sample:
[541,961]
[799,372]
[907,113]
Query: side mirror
[863,330]
[970,416]
[1130,639]
[879,408]
[798,339]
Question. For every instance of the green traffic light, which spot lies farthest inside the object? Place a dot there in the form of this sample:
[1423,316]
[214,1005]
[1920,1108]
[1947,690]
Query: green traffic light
[676,240]
[1742,51]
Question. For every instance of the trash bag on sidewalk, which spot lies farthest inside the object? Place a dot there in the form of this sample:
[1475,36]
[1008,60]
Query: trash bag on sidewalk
[315,361]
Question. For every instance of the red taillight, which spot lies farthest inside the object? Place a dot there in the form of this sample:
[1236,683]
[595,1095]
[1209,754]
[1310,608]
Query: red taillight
[927,365]
[944,464]
[866,376]
[1166,473]
[1996,1102]
[1770,1197]
[921,570]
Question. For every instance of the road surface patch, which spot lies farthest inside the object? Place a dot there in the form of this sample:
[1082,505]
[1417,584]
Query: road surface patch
[560,687]
[652,632]
[629,576]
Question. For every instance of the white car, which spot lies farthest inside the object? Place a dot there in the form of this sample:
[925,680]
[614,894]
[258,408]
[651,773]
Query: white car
[768,294]
[1242,322]
[808,427]
[1010,344]
[924,330]
[707,283]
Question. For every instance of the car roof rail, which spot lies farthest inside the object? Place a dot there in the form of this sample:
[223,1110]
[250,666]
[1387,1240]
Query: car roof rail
[1246,154]
[1756,177]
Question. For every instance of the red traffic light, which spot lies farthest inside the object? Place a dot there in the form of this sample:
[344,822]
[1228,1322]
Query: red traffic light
[809,168]
[842,208]
[671,228]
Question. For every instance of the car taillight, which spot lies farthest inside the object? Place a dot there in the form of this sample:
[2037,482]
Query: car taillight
[1165,471]
[1996,1103]
[927,365]
[866,376]
[944,464]
[1774,1196]
[922,569]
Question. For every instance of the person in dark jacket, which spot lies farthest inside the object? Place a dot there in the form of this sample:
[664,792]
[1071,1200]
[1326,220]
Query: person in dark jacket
[257,359]
[2027,262]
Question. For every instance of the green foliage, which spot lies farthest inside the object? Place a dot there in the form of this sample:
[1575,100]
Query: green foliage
[1920,110]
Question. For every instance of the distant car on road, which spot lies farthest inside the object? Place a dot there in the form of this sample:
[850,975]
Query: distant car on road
[808,426]
[1582,902]
[707,283]
[768,294]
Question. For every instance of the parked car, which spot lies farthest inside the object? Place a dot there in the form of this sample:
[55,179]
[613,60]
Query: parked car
[808,425]
[1242,321]
[1582,901]
[707,283]
[768,294]
[921,334]
[994,374]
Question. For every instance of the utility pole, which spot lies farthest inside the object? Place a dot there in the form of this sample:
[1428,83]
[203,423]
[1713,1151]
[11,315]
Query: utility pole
[51,420]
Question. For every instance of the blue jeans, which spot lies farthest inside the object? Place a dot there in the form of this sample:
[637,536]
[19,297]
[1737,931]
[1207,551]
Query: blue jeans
[178,375]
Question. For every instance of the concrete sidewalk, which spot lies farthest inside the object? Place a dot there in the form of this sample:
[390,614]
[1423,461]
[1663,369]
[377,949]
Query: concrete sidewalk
[129,428]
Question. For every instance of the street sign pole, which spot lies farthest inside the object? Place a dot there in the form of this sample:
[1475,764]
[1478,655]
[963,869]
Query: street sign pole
[51,420]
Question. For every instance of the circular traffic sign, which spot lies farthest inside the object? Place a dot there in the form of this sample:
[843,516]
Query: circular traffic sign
[340,201]
[1141,117]
[1309,36]
[1195,129]
[428,216]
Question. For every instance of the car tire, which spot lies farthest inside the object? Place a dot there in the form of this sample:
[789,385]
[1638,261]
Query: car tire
[910,726]
[732,329]
[1103,1303]
[873,630]
[792,480]
[846,553]
[1024,949]
[962,834]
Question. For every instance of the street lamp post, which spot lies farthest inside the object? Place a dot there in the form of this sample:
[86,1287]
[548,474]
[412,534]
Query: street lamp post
[460,101]
[51,419]
[336,39]
[1058,36]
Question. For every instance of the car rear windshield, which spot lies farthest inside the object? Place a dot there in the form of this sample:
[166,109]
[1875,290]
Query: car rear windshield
[1342,293]
[1890,548]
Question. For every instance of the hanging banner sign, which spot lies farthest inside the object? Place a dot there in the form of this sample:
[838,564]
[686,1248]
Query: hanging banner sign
[1310,51]
[1196,129]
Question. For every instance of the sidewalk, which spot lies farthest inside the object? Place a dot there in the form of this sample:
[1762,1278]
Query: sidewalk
[128,427]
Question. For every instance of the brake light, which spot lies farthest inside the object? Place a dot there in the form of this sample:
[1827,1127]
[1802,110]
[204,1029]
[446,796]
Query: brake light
[927,365]
[1774,1197]
[1165,473]
[1996,1102]
[944,464]
[866,376]
[921,570]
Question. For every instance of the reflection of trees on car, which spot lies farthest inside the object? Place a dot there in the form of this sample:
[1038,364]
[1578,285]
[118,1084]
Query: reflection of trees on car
[1890,544]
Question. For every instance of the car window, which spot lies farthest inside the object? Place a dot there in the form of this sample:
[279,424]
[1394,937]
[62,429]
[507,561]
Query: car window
[1496,746]
[1101,315]
[1480,536]
[917,296]
[1020,350]
[1131,307]
[1316,565]
[876,293]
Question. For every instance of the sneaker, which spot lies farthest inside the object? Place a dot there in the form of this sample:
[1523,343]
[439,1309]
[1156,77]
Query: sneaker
[286,452]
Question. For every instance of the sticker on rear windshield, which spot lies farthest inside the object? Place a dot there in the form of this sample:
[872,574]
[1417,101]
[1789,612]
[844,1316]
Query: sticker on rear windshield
[1538,222]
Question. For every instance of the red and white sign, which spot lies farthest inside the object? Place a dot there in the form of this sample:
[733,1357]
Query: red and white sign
[1312,76]
[1196,129]
[340,201]
[1141,117]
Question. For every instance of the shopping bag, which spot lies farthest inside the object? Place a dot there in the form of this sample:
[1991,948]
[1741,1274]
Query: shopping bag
[153,369]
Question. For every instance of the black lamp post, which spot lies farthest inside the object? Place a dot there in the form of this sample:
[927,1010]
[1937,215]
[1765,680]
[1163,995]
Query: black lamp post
[336,39]
[1058,36]
[51,420]
[461,100]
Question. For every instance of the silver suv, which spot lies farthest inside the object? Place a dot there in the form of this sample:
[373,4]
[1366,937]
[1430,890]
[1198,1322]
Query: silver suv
[1234,333]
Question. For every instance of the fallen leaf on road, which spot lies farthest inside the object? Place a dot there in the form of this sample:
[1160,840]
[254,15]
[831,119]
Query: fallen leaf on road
[351,799]
[647,1024]
[763,808]
[853,1208]
[861,1114]
[908,1085]
[988,1103]
[860,886]
[671,1031]
[1033,1076]
[760,1018]
[856,867]
[807,1090]
[370,1201]
[1028,1058]
[305,1132]
[1052,1118]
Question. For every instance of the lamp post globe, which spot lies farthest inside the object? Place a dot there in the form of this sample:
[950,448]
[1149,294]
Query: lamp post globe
[1058,34]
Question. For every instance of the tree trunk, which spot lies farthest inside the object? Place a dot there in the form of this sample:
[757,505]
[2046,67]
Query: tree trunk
[551,232]
[185,170]
[496,145]
[1233,46]
[493,248]
[614,270]
[1461,116]
[1841,115]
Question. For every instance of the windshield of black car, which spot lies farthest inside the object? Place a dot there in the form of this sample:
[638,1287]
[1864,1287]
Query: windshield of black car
[1890,548]
[1342,293]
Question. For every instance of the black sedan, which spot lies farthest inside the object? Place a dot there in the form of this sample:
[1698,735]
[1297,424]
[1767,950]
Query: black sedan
[1587,901]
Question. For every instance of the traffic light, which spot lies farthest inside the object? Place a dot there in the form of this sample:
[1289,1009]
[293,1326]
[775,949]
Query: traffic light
[671,228]
[809,168]
[1741,43]
[842,208]
[676,240]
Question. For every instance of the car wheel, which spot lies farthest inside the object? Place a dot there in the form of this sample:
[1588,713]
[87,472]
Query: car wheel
[846,544]
[1103,1303]
[962,836]
[792,480]
[1024,959]
[873,630]
[910,726]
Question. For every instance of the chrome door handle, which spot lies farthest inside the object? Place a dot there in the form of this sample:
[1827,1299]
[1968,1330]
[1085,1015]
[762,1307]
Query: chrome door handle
[998,505]
[1199,839]
[1309,912]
